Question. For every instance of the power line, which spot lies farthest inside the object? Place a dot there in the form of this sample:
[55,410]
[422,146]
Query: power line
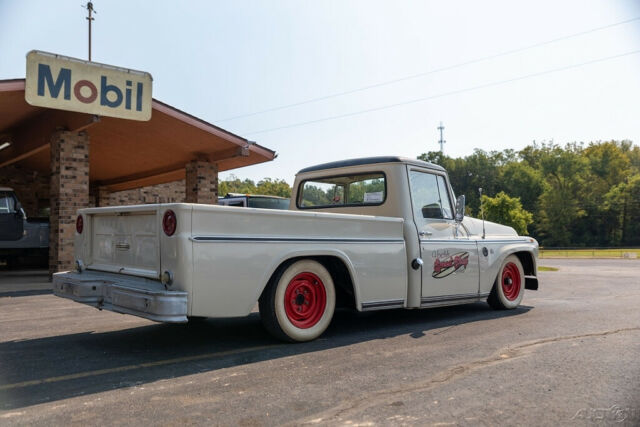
[426,73]
[441,95]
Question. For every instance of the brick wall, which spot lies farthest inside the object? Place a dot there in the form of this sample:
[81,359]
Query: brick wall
[162,193]
[31,187]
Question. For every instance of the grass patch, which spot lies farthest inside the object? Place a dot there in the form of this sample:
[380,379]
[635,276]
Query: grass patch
[543,268]
[590,253]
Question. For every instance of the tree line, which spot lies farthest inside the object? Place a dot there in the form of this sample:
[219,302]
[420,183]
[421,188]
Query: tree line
[576,195]
[266,186]
[572,195]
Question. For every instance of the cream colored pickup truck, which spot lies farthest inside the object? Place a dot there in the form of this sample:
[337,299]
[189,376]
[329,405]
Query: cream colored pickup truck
[370,234]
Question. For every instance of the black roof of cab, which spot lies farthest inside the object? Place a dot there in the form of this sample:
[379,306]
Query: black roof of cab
[371,161]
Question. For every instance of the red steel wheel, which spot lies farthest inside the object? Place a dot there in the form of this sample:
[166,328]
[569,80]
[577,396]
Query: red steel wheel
[508,289]
[511,281]
[298,303]
[305,300]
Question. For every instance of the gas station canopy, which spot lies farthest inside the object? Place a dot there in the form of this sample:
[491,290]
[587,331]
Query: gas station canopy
[124,154]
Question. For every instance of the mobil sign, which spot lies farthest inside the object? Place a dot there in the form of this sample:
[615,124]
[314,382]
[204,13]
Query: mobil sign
[55,81]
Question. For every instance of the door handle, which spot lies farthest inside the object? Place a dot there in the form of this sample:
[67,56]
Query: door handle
[425,233]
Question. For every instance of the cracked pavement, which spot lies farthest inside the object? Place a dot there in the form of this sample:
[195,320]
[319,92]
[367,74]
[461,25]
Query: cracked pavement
[568,355]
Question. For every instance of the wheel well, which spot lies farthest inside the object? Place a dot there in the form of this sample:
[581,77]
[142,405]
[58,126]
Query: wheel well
[526,259]
[345,295]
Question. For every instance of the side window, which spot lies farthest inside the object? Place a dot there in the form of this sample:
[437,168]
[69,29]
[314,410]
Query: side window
[7,203]
[444,197]
[344,190]
[429,196]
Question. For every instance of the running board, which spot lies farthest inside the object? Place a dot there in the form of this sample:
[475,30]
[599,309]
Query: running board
[445,300]
[382,305]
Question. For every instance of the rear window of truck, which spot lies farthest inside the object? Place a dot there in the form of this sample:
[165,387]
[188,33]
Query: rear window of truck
[344,190]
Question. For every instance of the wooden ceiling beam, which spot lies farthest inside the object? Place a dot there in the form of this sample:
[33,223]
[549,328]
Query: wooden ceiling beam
[34,136]
[168,173]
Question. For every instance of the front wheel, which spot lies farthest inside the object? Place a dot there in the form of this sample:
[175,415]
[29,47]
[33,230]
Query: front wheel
[299,302]
[508,289]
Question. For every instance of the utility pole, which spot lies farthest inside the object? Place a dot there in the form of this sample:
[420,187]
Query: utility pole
[90,18]
[442,141]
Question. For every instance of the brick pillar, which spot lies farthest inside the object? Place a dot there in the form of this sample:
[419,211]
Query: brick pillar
[69,192]
[102,197]
[201,183]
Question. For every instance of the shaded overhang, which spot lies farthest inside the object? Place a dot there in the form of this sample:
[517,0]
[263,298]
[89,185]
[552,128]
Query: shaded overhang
[124,154]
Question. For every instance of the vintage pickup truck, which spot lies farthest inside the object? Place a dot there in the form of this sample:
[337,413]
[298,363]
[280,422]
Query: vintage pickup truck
[370,234]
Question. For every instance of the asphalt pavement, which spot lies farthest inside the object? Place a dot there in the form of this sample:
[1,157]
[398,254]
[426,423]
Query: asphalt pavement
[569,355]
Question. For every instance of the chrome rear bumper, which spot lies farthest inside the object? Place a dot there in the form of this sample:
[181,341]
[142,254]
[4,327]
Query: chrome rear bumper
[123,294]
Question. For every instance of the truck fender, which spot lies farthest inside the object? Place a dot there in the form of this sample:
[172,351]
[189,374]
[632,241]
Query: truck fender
[525,254]
[311,253]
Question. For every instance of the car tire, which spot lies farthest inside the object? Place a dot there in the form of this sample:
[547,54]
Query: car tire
[508,288]
[299,302]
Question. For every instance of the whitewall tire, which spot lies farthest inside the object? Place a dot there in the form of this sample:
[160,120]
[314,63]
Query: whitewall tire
[299,302]
[508,289]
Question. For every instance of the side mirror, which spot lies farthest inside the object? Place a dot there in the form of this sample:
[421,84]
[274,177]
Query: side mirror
[23,213]
[460,208]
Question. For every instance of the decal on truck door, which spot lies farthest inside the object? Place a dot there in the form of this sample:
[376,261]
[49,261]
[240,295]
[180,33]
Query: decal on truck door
[446,264]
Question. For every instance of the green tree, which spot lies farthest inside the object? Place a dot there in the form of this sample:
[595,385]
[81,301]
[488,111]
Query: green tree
[579,195]
[266,186]
[479,170]
[508,211]
[607,166]
[560,203]
[273,187]
[522,181]
[623,204]
[234,185]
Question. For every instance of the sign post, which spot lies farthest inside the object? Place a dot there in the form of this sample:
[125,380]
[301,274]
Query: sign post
[63,83]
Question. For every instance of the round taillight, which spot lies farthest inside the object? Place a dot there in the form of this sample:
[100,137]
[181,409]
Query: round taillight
[169,223]
[79,224]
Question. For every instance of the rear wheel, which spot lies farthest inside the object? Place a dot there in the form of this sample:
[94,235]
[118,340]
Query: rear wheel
[299,302]
[508,289]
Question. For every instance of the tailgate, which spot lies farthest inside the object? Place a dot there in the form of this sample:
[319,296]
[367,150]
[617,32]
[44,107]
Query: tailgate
[125,241]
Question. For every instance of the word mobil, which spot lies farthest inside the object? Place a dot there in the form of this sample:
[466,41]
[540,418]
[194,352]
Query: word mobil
[63,82]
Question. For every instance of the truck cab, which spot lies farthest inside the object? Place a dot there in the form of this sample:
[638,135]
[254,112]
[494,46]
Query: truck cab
[449,247]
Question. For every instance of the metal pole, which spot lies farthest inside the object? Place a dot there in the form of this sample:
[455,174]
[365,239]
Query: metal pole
[442,141]
[90,18]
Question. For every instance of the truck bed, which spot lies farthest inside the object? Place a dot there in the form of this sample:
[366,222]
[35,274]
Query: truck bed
[224,257]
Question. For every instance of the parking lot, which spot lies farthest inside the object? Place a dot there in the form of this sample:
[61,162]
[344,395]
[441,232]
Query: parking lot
[568,355]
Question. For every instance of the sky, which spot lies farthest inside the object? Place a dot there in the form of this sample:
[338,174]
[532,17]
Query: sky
[320,81]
